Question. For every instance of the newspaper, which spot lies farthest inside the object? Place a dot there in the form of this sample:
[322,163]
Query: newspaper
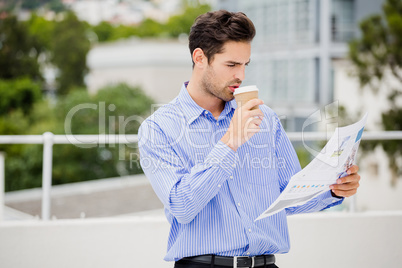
[331,163]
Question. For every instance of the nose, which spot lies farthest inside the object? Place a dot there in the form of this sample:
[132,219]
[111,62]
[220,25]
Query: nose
[240,73]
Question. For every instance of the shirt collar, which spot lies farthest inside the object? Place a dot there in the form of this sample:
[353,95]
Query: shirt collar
[192,110]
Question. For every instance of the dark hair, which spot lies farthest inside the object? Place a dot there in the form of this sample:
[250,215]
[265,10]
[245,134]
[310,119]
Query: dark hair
[212,30]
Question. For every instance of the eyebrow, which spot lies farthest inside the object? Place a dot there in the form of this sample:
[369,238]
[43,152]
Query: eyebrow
[237,63]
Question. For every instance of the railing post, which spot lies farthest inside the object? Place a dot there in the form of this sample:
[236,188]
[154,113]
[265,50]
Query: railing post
[352,208]
[47,174]
[2,179]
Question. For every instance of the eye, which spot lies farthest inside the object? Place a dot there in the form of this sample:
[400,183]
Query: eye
[231,65]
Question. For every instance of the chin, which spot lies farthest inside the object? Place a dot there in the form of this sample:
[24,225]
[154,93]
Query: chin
[230,98]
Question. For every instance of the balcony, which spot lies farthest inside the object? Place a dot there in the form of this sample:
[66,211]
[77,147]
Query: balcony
[326,239]
[349,240]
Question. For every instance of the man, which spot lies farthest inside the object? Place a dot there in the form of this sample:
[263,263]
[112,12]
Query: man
[216,166]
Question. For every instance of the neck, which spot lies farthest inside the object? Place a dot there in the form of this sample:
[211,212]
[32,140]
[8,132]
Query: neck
[205,99]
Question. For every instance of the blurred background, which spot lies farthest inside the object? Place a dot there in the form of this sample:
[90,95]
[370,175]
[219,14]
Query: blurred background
[332,60]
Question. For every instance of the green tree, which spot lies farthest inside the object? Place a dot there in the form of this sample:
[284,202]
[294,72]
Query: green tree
[113,110]
[42,30]
[31,4]
[182,23]
[70,46]
[56,5]
[17,98]
[19,51]
[150,28]
[104,31]
[377,57]
[175,25]
[18,94]
[123,31]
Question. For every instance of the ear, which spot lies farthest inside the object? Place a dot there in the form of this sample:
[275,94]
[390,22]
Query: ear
[199,58]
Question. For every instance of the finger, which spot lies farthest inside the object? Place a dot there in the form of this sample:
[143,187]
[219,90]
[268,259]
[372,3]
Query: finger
[252,122]
[345,186]
[353,169]
[256,113]
[341,193]
[251,103]
[256,121]
[348,179]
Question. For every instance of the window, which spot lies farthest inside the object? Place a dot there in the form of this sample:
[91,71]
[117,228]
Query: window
[284,21]
[280,80]
[301,21]
[342,20]
[291,80]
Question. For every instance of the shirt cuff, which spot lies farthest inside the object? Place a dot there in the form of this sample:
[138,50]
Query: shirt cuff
[222,157]
[330,200]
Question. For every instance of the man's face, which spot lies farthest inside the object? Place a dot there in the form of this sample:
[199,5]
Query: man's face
[225,72]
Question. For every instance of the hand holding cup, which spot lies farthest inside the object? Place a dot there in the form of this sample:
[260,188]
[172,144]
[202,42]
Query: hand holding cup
[246,119]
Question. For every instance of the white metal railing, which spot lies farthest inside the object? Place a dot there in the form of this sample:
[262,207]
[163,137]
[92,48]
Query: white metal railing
[2,179]
[48,139]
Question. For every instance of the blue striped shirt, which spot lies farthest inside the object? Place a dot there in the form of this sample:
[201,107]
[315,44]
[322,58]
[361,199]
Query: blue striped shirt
[212,194]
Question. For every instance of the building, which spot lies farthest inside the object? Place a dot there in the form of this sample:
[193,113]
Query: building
[159,67]
[299,62]
[296,42]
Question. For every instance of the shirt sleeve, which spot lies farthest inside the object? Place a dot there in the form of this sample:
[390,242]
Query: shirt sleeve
[321,202]
[288,165]
[287,162]
[183,192]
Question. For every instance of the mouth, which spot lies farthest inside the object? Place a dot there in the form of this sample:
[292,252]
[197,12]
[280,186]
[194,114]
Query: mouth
[233,88]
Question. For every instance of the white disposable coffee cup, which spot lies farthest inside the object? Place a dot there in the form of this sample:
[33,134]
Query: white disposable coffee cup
[244,94]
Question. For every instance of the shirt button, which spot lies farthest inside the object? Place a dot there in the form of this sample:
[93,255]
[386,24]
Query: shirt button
[249,230]
[238,204]
[231,177]
[248,253]
[219,186]
[206,112]
[217,124]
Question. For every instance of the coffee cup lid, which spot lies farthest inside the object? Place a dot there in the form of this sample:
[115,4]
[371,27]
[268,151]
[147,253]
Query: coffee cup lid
[245,89]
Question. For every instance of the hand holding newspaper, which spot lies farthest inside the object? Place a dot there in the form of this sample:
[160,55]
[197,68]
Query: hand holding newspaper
[331,163]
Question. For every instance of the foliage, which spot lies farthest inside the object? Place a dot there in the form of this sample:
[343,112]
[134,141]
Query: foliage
[113,110]
[32,4]
[70,47]
[8,5]
[176,25]
[18,94]
[63,43]
[55,5]
[377,57]
[150,28]
[24,45]
[18,97]
[104,31]
[122,31]
[42,30]
[182,23]
[19,50]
